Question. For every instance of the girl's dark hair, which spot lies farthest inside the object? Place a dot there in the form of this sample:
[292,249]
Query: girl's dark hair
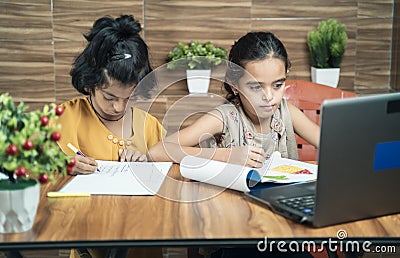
[251,47]
[115,51]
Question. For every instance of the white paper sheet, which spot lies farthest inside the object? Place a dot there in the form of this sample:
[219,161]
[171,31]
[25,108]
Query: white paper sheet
[270,172]
[217,173]
[236,177]
[121,178]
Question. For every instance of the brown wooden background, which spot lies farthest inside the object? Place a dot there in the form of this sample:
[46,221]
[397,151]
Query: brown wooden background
[40,38]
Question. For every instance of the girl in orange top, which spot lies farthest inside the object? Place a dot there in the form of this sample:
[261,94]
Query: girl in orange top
[104,124]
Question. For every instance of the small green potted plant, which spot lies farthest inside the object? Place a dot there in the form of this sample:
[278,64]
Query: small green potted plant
[28,154]
[327,45]
[198,59]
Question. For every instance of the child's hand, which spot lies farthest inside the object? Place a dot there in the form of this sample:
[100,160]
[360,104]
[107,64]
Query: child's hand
[84,165]
[131,156]
[247,156]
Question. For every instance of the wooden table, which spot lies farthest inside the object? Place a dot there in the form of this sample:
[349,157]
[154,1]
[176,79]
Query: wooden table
[220,218]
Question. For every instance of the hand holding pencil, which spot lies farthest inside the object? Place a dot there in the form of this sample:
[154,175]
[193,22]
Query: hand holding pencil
[84,165]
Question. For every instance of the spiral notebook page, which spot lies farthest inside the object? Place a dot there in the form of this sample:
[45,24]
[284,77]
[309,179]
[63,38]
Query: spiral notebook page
[121,178]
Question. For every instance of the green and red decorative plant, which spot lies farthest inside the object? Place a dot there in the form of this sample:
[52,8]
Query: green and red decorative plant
[28,143]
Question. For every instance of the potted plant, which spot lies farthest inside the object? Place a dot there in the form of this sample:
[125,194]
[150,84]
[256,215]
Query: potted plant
[197,59]
[28,154]
[327,45]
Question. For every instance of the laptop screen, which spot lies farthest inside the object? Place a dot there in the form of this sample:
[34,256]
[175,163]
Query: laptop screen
[358,174]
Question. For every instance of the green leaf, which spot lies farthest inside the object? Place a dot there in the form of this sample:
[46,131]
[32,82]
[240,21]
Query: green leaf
[17,126]
[188,54]
[10,165]
[45,109]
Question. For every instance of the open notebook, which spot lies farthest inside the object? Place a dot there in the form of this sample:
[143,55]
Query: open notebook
[121,178]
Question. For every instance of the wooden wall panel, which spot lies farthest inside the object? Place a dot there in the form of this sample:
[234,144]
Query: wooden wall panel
[395,70]
[26,51]
[373,8]
[25,19]
[373,53]
[173,82]
[198,9]
[72,19]
[301,9]
[26,71]
[157,107]
[163,35]
[374,43]
[183,110]
[39,39]
[65,54]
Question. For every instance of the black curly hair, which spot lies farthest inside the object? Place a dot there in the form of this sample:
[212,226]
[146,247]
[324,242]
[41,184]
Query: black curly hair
[115,51]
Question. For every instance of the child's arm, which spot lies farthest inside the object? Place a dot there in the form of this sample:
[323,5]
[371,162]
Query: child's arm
[176,146]
[181,143]
[303,126]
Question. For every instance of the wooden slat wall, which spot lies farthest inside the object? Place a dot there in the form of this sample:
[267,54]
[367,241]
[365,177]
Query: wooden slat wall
[375,20]
[395,73]
[72,18]
[40,38]
[26,51]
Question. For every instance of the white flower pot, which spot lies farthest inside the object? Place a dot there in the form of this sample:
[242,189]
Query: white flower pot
[198,81]
[18,208]
[326,76]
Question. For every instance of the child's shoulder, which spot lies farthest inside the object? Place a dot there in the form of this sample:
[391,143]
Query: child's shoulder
[229,112]
[79,105]
[140,114]
[226,108]
[76,103]
[76,109]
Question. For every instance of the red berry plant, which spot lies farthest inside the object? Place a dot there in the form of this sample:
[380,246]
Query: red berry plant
[28,143]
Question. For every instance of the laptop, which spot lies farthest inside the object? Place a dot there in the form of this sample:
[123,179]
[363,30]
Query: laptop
[358,165]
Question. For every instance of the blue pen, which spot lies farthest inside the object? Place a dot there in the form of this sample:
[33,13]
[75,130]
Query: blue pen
[74,149]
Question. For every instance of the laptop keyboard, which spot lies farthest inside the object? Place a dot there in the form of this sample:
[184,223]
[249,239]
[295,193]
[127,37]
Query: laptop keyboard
[304,204]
